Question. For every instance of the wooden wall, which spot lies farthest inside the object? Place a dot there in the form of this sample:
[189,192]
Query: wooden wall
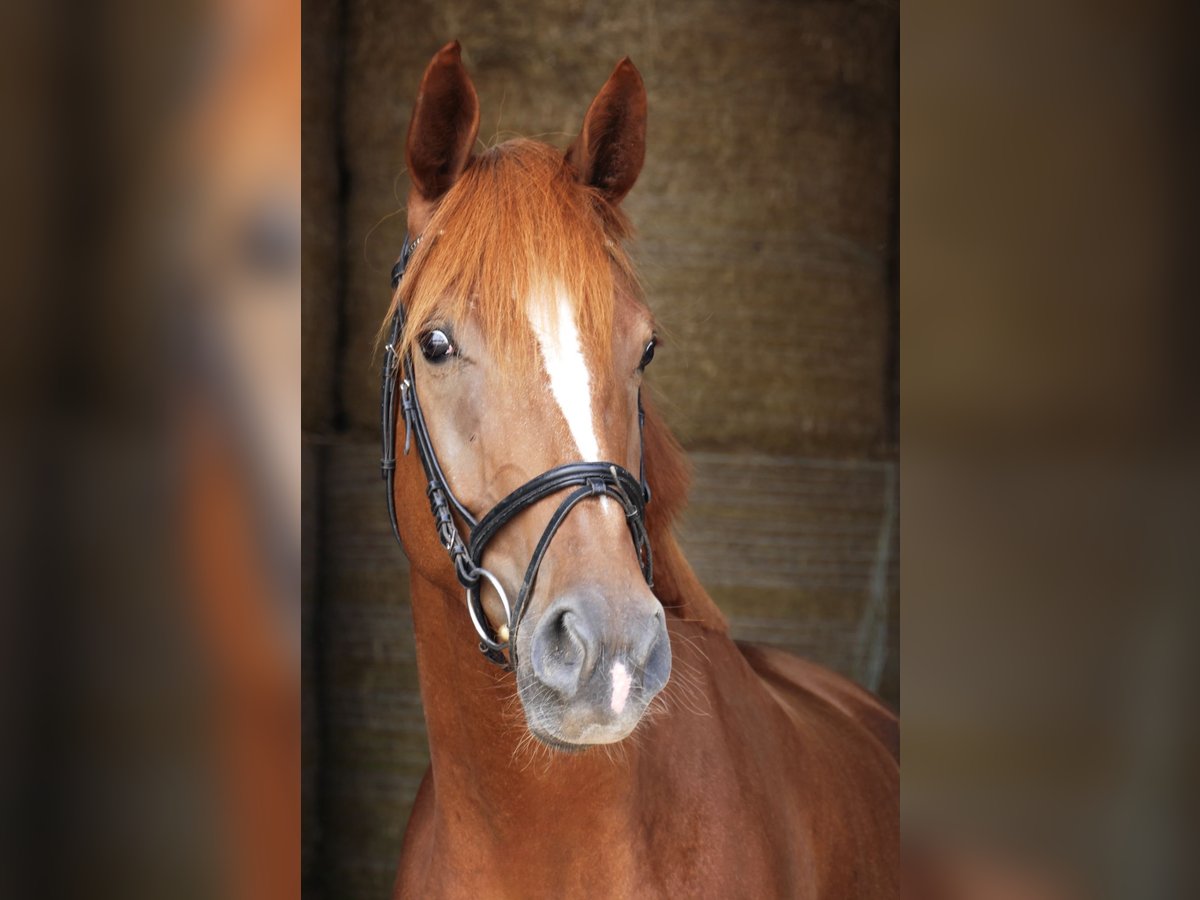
[766,213]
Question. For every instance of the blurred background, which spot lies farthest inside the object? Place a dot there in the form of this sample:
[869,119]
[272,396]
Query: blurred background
[766,214]
[1049,433]
[150,477]
[149,331]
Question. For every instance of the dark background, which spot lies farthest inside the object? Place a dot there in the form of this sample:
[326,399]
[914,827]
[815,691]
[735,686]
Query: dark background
[767,218]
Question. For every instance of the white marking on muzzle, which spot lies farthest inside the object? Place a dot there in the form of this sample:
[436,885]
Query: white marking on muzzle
[621,682]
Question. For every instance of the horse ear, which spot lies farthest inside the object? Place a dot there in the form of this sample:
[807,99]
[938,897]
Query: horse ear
[445,122]
[611,147]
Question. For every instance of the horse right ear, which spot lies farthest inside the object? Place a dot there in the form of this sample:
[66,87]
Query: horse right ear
[445,123]
[611,146]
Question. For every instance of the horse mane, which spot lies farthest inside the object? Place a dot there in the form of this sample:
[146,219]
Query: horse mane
[519,227]
[669,475]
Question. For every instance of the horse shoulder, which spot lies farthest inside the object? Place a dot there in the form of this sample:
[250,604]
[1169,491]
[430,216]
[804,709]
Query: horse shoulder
[796,680]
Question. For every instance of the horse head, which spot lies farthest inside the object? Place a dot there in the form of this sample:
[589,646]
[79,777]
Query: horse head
[520,327]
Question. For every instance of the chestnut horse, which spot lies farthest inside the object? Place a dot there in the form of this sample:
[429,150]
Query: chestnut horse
[751,773]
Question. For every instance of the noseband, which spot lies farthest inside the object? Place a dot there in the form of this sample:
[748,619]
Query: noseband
[589,479]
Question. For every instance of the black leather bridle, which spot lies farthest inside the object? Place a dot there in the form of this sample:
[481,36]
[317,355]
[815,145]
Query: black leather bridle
[589,479]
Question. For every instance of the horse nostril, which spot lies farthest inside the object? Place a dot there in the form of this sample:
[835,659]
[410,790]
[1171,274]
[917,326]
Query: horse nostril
[655,657]
[562,644]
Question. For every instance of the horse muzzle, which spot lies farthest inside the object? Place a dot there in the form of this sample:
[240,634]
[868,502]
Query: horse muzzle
[592,666]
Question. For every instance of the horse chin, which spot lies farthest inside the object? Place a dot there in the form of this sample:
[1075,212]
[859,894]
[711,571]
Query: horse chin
[555,744]
[576,737]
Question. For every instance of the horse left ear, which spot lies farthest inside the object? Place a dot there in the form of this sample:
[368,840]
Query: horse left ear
[444,125]
[611,147]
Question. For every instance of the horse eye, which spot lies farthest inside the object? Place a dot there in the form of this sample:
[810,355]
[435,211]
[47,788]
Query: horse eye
[436,346]
[648,353]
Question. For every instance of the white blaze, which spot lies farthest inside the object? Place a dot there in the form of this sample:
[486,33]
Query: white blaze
[570,382]
[621,682]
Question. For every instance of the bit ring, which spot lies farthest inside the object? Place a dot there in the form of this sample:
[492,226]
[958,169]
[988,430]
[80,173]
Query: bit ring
[505,630]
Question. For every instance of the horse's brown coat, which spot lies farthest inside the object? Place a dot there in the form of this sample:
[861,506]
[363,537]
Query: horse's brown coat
[755,775]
